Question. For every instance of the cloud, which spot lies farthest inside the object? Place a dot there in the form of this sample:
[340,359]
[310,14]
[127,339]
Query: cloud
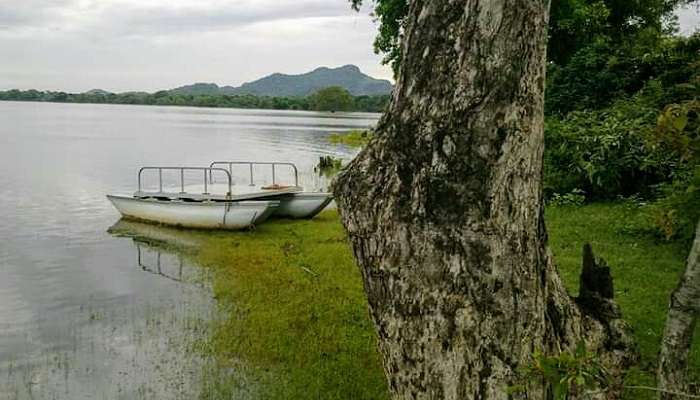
[184,19]
[154,17]
[18,16]
[122,45]
[689,19]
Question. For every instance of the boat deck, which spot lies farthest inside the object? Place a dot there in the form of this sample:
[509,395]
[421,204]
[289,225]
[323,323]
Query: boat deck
[218,193]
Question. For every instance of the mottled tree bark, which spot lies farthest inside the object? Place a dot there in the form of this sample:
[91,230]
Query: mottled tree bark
[680,326]
[444,211]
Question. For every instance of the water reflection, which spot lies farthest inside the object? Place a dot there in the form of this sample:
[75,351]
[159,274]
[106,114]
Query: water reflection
[158,268]
[123,347]
[167,253]
[162,251]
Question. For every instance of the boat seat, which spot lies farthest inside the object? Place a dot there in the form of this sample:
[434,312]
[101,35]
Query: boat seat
[276,186]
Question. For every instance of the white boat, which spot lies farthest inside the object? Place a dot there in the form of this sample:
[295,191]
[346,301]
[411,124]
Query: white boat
[301,205]
[205,211]
[294,202]
[195,214]
[218,206]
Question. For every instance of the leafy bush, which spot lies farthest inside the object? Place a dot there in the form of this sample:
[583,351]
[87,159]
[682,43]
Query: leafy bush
[568,373]
[604,153]
[576,197]
[606,70]
[677,211]
[678,134]
[640,144]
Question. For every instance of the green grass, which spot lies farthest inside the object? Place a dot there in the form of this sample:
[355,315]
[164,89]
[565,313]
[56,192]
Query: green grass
[298,317]
[645,272]
[356,138]
[297,324]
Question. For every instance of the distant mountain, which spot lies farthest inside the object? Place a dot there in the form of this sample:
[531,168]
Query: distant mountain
[98,91]
[198,88]
[349,77]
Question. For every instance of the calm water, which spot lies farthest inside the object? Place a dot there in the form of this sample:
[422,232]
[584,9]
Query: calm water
[87,314]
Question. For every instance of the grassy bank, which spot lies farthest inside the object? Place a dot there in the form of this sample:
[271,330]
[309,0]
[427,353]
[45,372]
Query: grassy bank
[356,138]
[298,315]
[297,320]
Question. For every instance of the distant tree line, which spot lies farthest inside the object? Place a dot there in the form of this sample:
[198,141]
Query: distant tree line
[330,99]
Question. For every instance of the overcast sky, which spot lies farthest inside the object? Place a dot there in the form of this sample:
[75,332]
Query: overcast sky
[689,19]
[121,45]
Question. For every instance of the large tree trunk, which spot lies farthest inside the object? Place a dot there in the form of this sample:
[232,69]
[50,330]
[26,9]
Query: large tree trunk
[680,326]
[444,210]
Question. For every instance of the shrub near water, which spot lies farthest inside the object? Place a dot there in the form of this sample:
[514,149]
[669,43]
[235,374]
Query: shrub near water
[604,107]
[605,153]
[356,138]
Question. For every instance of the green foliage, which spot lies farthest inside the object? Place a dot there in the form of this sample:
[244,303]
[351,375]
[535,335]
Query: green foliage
[604,153]
[333,98]
[567,373]
[677,211]
[678,133]
[678,130]
[328,166]
[356,138]
[606,70]
[616,76]
[624,144]
[371,103]
[574,24]
[576,197]
[391,15]
[168,98]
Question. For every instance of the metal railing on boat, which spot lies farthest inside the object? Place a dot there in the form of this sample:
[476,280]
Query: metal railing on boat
[251,164]
[207,176]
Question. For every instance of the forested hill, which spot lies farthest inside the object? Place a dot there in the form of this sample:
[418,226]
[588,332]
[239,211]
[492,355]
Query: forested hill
[348,77]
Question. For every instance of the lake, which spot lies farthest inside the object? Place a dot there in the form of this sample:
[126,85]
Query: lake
[85,313]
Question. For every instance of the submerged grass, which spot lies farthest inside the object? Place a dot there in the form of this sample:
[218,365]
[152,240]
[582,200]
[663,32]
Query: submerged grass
[297,324]
[356,138]
[298,315]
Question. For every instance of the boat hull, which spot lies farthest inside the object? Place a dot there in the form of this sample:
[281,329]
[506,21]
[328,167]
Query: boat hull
[200,215]
[302,205]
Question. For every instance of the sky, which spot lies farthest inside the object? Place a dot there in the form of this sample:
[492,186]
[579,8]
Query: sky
[123,45]
[689,19]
